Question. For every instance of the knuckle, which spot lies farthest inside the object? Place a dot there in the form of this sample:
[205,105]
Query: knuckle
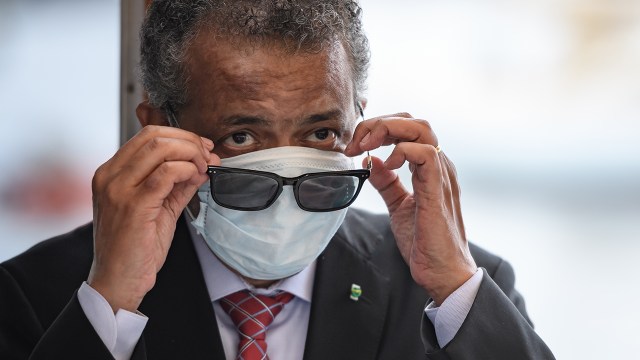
[156,143]
[164,169]
[97,181]
[423,123]
[149,130]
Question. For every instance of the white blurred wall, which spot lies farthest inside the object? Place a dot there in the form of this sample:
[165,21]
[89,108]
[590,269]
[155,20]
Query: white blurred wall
[537,102]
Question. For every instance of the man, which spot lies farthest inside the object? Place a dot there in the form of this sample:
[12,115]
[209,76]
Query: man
[257,257]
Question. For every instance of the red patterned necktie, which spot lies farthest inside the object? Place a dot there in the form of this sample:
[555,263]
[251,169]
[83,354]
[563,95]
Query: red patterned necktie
[252,314]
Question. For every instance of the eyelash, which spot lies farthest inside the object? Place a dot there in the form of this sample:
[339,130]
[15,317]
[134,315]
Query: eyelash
[221,141]
[335,132]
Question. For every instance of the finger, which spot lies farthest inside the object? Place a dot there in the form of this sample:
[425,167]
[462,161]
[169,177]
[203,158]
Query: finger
[111,169]
[427,174]
[159,150]
[446,185]
[145,135]
[421,157]
[453,174]
[161,182]
[387,183]
[396,115]
[373,133]
[456,193]
[414,153]
[214,159]
[451,177]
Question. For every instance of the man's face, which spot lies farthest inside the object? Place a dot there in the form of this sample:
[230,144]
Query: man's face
[265,97]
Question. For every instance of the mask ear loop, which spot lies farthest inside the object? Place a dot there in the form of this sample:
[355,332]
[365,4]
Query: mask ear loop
[190,214]
[369,162]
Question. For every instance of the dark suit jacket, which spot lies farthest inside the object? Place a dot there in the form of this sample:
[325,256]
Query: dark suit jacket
[41,318]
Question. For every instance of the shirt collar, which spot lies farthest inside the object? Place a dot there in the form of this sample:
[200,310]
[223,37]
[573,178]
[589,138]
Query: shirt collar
[221,281]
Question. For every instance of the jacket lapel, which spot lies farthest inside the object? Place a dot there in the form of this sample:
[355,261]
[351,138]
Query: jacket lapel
[182,323]
[339,327]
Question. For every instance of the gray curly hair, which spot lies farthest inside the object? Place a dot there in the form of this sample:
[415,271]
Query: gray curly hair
[301,25]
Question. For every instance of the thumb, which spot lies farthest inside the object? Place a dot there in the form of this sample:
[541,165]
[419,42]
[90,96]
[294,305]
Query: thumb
[183,192]
[387,183]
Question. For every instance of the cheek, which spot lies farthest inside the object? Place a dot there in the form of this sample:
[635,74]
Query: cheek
[343,141]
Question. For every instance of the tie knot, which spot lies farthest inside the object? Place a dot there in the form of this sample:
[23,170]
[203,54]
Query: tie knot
[253,313]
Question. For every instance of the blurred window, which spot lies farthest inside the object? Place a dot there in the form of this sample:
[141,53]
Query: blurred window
[59,76]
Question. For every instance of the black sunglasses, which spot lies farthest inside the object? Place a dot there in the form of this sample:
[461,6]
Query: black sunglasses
[252,190]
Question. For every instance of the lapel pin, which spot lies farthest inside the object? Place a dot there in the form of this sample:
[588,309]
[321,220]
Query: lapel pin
[356,292]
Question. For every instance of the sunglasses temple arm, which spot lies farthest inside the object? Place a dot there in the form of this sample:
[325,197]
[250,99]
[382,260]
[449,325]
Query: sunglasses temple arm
[369,162]
[171,117]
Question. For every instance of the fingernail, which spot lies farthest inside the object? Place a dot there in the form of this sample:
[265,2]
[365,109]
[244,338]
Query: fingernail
[365,139]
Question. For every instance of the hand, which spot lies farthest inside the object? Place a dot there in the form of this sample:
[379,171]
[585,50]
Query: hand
[138,196]
[427,223]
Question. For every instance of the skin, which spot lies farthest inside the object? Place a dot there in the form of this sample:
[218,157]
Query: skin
[243,101]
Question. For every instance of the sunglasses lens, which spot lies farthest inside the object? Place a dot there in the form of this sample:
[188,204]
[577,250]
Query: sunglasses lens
[327,192]
[243,191]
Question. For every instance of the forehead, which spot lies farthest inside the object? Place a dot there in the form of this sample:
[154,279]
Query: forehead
[229,76]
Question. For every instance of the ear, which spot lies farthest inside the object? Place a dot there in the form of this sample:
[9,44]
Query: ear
[150,115]
[363,103]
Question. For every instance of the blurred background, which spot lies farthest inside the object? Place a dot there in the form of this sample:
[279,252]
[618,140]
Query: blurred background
[537,102]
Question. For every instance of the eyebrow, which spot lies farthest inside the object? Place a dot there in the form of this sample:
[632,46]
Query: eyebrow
[236,120]
[329,115]
[239,120]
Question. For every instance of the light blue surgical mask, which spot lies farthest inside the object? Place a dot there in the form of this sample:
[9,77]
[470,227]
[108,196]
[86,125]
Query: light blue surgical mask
[283,239]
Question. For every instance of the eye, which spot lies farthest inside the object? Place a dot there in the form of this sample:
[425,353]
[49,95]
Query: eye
[239,139]
[323,134]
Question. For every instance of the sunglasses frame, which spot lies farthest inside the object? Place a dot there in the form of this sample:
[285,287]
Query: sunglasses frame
[360,174]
